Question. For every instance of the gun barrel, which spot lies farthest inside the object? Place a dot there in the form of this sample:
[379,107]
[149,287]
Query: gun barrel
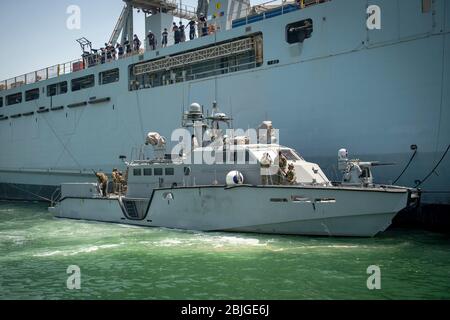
[376,164]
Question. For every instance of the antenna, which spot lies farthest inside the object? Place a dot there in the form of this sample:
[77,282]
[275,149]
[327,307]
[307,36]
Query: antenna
[182,115]
[231,114]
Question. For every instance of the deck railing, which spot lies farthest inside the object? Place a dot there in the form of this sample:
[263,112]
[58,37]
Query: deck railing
[269,9]
[57,71]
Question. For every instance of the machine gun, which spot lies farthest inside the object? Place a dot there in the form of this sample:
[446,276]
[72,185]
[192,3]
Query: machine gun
[357,171]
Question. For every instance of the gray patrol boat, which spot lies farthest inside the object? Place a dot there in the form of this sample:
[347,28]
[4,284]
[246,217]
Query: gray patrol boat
[238,186]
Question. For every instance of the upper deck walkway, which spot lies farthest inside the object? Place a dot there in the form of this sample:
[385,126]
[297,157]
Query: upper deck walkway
[259,12]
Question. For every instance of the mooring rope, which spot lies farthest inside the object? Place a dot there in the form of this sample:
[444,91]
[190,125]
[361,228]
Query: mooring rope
[29,192]
[434,169]
[407,166]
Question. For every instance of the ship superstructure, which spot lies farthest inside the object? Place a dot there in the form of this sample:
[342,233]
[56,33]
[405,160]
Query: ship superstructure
[313,67]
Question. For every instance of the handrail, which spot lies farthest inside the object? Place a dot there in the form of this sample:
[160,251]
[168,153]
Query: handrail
[55,71]
[266,7]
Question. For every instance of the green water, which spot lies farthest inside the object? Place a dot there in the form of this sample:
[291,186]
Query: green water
[123,262]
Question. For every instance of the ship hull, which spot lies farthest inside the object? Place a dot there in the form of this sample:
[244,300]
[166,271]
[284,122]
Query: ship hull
[272,210]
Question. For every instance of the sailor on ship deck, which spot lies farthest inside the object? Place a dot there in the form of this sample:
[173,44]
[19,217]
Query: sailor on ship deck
[151,40]
[203,24]
[191,30]
[165,35]
[182,32]
[136,43]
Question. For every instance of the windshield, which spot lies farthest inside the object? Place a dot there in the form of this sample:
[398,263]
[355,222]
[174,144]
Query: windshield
[290,155]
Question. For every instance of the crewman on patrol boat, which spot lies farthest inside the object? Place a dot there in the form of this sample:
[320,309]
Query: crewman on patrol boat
[282,164]
[103,182]
[116,180]
[122,182]
[290,175]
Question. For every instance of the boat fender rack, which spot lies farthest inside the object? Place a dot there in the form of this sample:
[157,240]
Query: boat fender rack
[15,116]
[94,100]
[76,105]
[3,118]
[57,108]
[43,110]
[26,114]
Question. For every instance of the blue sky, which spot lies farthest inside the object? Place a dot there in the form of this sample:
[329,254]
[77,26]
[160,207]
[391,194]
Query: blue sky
[34,35]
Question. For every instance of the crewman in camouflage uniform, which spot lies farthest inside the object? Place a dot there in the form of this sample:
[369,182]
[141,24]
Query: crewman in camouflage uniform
[116,181]
[122,182]
[103,182]
[290,175]
[282,164]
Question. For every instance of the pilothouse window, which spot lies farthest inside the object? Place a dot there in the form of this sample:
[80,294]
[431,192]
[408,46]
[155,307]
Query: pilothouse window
[289,155]
[1,102]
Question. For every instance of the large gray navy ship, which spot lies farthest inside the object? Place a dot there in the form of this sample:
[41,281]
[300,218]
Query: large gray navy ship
[371,75]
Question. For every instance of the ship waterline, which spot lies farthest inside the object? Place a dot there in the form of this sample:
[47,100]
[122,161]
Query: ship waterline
[376,92]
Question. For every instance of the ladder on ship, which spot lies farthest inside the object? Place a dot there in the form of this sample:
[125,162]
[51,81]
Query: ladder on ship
[124,24]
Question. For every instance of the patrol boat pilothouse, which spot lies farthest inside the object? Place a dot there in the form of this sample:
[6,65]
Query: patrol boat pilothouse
[252,195]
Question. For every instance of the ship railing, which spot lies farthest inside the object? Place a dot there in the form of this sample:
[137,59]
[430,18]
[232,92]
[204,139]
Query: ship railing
[170,40]
[201,75]
[210,73]
[184,11]
[59,70]
[267,10]
[224,70]
[178,9]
